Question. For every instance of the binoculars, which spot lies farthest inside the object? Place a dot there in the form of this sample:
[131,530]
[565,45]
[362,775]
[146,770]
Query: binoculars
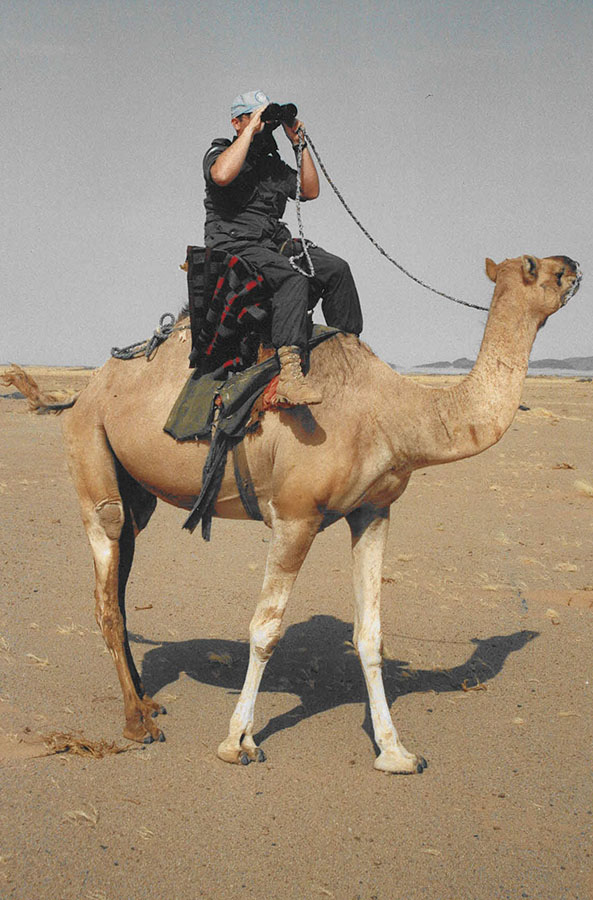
[277,114]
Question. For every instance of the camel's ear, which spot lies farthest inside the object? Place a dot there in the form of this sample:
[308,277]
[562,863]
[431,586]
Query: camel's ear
[529,265]
[491,269]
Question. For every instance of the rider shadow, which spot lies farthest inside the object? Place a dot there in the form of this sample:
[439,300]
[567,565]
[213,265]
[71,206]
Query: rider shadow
[316,661]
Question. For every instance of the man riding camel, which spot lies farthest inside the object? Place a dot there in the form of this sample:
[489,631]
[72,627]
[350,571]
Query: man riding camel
[247,186]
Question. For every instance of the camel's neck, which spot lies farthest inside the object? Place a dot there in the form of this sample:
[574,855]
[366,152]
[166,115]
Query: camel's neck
[474,414]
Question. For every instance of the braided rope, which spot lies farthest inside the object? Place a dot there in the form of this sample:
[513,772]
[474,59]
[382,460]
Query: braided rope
[305,244]
[165,329]
[371,239]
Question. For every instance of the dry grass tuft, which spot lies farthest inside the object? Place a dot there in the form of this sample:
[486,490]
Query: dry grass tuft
[70,629]
[583,487]
[38,661]
[83,816]
[77,745]
[542,413]
[223,659]
[473,687]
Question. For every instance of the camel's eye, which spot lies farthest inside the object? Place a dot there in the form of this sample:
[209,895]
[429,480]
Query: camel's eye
[559,277]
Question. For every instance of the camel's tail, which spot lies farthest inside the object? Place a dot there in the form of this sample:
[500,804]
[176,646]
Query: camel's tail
[38,400]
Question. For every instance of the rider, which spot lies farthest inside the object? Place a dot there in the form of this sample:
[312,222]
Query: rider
[247,186]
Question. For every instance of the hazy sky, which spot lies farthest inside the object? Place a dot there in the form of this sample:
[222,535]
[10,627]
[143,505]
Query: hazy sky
[455,130]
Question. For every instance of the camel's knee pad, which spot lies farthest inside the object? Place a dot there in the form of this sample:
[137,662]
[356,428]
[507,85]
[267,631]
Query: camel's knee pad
[111,518]
[369,649]
[265,636]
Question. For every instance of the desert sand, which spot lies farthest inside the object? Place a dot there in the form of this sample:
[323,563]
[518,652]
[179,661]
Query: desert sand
[487,617]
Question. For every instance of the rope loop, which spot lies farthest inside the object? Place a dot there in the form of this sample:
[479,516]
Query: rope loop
[160,334]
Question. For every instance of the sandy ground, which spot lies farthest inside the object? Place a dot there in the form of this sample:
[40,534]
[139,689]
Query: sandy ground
[488,585]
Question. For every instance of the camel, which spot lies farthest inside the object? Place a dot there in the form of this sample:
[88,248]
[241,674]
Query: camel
[349,457]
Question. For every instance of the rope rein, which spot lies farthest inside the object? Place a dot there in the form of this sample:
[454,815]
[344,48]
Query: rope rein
[305,244]
[360,225]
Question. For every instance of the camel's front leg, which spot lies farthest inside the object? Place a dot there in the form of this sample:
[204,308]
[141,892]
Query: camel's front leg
[288,547]
[369,528]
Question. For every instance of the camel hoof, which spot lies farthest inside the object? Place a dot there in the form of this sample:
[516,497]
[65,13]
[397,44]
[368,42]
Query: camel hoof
[161,711]
[396,763]
[150,738]
[240,756]
[142,729]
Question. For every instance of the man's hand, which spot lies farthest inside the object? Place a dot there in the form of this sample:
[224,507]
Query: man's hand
[292,131]
[255,124]
[228,165]
[309,177]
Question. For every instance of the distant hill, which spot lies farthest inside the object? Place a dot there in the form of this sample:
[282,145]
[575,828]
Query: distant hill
[461,363]
[26,365]
[576,363]
[579,363]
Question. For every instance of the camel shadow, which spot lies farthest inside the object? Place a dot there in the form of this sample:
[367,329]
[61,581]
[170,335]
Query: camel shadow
[315,661]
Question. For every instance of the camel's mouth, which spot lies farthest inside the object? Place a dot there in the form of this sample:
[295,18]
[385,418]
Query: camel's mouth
[573,288]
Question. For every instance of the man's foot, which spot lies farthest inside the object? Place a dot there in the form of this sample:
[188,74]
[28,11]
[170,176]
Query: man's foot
[292,387]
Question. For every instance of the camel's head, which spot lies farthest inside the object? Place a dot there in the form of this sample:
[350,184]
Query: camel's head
[546,283]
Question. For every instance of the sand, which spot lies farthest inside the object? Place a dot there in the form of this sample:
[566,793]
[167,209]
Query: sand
[487,612]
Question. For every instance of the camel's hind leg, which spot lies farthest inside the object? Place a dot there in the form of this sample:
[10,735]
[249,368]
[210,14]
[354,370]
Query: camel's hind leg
[288,547]
[114,509]
[138,507]
[369,528]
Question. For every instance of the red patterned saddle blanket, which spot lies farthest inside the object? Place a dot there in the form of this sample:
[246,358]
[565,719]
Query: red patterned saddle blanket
[229,305]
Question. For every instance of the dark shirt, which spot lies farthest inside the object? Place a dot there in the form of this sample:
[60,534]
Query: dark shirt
[249,209]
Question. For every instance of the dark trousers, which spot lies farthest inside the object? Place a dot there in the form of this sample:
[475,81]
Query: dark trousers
[291,292]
